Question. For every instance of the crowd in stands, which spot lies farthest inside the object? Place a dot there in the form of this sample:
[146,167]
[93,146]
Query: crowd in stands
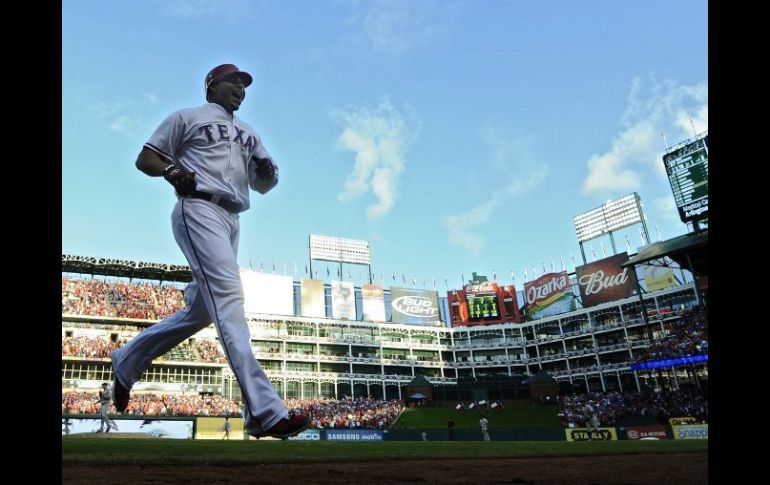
[205,350]
[613,405]
[348,413]
[326,413]
[94,348]
[119,299]
[686,336]
[150,404]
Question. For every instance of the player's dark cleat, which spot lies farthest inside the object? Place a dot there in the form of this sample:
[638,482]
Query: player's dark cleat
[291,425]
[120,395]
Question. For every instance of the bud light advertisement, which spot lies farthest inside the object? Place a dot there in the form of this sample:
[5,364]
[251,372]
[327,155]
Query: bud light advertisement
[414,307]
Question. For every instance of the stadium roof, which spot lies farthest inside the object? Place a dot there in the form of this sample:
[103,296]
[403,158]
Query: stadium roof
[694,244]
[419,381]
[125,269]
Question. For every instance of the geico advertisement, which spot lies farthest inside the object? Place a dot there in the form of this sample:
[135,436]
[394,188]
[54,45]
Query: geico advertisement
[414,306]
[580,434]
[691,432]
[207,428]
[308,435]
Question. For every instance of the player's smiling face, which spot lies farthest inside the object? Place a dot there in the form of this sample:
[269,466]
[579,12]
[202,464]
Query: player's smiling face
[228,93]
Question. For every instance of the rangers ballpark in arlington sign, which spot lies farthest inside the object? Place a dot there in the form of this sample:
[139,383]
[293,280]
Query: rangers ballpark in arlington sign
[687,166]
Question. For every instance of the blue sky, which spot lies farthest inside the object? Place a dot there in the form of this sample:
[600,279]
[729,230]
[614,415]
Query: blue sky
[455,136]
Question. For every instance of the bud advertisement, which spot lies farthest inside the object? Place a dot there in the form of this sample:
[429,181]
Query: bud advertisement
[605,280]
[373,299]
[548,295]
[415,307]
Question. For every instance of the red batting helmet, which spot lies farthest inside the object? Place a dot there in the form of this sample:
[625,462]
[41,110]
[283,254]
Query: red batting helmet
[219,72]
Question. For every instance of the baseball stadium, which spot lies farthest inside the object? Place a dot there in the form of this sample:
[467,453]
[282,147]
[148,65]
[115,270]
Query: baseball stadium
[407,385]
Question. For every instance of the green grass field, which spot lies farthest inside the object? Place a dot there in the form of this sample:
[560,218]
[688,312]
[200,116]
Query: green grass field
[509,417]
[195,452]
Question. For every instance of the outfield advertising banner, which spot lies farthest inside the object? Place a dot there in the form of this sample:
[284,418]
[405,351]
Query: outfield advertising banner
[312,295]
[658,277]
[267,293]
[414,307]
[691,432]
[373,298]
[682,420]
[551,294]
[581,434]
[308,435]
[161,428]
[654,432]
[605,280]
[343,300]
[209,428]
[353,435]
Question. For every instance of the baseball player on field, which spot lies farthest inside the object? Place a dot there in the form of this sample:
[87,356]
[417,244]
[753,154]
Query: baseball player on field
[105,399]
[211,158]
[592,420]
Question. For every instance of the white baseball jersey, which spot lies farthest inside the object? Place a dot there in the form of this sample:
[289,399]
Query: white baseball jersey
[216,145]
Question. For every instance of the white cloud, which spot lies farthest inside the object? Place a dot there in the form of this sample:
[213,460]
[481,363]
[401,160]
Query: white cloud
[665,108]
[151,98]
[124,124]
[103,110]
[379,137]
[397,26]
[230,10]
[664,209]
[513,156]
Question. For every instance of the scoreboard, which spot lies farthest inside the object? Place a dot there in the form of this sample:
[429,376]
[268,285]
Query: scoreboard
[687,167]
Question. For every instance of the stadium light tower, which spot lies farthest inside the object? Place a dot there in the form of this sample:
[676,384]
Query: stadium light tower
[341,250]
[608,217]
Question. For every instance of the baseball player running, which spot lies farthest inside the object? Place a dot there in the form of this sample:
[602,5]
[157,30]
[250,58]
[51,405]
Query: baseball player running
[212,158]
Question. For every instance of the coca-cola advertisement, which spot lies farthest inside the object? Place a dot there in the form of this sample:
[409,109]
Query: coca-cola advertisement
[605,280]
[551,294]
[483,303]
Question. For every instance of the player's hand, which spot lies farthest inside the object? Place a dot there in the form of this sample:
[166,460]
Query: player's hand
[182,180]
[266,169]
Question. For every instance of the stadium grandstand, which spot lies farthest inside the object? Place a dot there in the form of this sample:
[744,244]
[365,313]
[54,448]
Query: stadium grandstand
[650,341]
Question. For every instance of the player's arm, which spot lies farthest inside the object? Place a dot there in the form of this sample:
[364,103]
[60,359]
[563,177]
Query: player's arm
[150,163]
[154,165]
